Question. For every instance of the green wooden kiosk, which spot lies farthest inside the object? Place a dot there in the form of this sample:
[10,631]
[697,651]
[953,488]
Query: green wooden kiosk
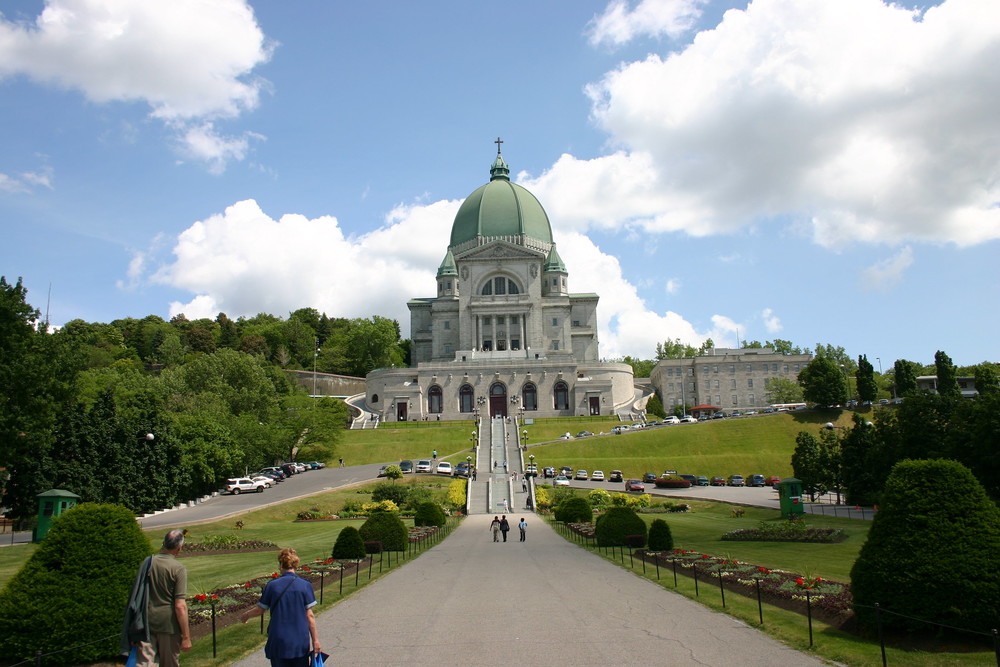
[790,497]
[51,505]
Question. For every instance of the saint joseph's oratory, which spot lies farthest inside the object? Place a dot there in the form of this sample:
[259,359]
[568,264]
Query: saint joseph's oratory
[504,335]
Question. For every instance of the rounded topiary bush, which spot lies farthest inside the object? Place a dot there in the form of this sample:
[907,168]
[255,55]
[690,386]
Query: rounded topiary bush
[74,588]
[931,551]
[349,545]
[660,537]
[574,510]
[672,482]
[395,493]
[429,514]
[616,524]
[387,528]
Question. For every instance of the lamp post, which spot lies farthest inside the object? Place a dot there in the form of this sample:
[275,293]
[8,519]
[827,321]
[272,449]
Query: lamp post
[473,439]
[534,471]
[468,460]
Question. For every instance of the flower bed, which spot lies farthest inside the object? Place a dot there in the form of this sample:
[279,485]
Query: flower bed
[225,544]
[788,531]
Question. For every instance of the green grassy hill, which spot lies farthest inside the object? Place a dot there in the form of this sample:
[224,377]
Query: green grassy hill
[762,444]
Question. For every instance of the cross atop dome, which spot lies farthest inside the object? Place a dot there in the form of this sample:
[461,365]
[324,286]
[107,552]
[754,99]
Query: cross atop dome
[498,142]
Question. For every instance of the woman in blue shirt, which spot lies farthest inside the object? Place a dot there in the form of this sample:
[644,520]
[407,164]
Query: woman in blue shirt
[290,599]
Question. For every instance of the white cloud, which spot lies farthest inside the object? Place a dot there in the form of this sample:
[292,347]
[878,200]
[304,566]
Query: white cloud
[619,24]
[889,272]
[242,262]
[11,184]
[870,122]
[189,60]
[27,181]
[771,321]
[673,286]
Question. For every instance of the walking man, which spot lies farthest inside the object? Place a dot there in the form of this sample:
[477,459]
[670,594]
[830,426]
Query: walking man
[162,580]
[523,526]
[495,527]
[524,485]
[504,527]
[341,462]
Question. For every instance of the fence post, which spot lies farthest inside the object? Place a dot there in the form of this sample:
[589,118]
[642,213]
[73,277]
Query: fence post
[722,589]
[760,607]
[341,578]
[371,562]
[695,568]
[809,615]
[357,571]
[878,625]
[322,575]
[674,562]
[213,630]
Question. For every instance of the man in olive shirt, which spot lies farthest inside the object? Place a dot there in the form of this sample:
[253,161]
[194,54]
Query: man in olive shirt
[167,608]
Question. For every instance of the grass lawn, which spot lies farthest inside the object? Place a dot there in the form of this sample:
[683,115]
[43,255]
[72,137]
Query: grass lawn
[387,444]
[755,445]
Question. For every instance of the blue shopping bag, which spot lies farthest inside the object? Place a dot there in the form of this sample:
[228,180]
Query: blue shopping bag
[131,658]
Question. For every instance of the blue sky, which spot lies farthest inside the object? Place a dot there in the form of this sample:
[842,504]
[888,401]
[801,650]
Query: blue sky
[799,169]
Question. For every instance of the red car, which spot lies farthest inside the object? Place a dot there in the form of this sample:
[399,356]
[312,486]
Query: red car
[772,480]
[635,485]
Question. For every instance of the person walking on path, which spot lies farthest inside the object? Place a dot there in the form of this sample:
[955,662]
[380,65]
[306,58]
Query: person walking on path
[524,485]
[523,527]
[504,526]
[341,463]
[292,629]
[495,528]
[164,615]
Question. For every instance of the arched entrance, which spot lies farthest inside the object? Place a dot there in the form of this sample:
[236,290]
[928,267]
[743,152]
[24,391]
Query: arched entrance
[498,400]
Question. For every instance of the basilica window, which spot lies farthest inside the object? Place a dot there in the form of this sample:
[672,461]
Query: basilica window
[465,396]
[529,396]
[500,286]
[560,395]
[435,400]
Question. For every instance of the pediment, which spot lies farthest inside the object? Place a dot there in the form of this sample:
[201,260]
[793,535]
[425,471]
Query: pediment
[501,251]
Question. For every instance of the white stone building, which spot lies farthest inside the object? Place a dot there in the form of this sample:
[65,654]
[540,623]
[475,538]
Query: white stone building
[504,333]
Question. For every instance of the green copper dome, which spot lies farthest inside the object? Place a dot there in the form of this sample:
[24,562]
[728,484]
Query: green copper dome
[500,208]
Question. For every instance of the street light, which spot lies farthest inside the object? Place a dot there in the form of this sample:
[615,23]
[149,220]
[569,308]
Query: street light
[468,470]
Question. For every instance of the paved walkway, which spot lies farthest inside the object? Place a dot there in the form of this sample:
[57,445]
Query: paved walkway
[468,601]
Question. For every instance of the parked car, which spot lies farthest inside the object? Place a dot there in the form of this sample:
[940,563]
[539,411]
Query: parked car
[649,477]
[772,480]
[531,470]
[638,425]
[444,468]
[561,480]
[462,469]
[616,476]
[301,467]
[755,480]
[702,481]
[423,465]
[566,471]
[581,475]
[735,480]
[289,469]
[750,413]
[689,419]
[718,481]
[548,472]
[734,413]
[584,434]
[597,476]
[265,480]
[768,411]
[381,471]
[672,419]
[406,466]
[316,465]
[635,485]
[238,485]
[691,478]
[719,415]
[274,471]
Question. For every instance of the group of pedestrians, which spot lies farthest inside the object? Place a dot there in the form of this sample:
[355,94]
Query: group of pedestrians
[500,525]
[156,618]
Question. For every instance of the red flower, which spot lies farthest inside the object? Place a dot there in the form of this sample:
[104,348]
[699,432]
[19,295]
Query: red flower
[215,597]
[305,568]
[247,585]
[818,579]
[705,556]
[800,581]
[274,575]
[200,598]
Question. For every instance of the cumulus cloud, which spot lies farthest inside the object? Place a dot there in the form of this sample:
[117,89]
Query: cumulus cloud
[27,181]
[619,23]
[243,261]
[771,321]
[190,61]
[673,286]
[865,121]
[888,273]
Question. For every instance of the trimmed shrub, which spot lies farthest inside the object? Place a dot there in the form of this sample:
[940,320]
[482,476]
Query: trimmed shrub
[574,510]
[349,545]
[417,496]
[74,587]
[931,552]
[614,525]
[429,514]
[373,547]
[599,498]
[456,494]
[387,528]
[672,482]
[393,492]
[660,537]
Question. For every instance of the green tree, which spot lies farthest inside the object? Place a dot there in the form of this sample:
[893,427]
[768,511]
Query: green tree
[393,473]
[867,387]
[616,524]
[901,565]
[310,428]
[387,528]
[641,368]
[782,390]
[373,343]
[947,383]
[838,355]
[857,447]
[674,349]
[822,382]
[782,346]
[84,568]
[660,536]
[349,545]
[905,375]
[987,378]
[655,407]
[807,464]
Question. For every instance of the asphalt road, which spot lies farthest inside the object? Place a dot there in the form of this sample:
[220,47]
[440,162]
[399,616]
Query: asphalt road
[470,601]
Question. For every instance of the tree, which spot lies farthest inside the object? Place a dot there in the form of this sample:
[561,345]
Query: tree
[349,545]
[781,346]
[947,383]
[655,407]
[674,349]
[837,354]
[987,378]
[782,390]
[807,464]
[822,382]
[641,368]
[310,428]
[660,537]
[857,449]
[902,565]
[906,377]
[867,387]
[616,524]
[373,343]
[709,344]
[84,568]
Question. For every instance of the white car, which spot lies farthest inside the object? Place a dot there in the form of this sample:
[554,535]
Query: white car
[689,419]
[238,485]
[444,468]
[561,480]
[672,419]
[300,467]
[597,476]
[266,481]
[423,465]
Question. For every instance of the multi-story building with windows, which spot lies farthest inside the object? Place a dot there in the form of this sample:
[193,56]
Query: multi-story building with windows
[503,333]
[725,378]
